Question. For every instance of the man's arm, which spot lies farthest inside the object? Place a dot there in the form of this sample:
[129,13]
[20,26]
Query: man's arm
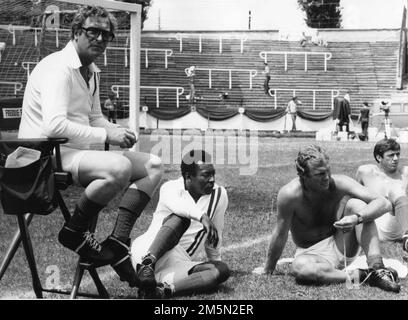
[175,202]
[214,253]
[376,206]
[360,174]
[55,102]
[281,230]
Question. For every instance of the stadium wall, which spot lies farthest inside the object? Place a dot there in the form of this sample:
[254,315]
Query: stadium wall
[240,122]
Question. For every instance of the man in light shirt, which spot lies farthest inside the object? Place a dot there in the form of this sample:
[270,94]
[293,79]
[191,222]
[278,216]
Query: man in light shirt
[61,99]
[292,109]
[188,220]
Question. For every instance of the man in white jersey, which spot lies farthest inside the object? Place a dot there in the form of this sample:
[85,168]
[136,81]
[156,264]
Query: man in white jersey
[61,99]
[390,180]
[188,220]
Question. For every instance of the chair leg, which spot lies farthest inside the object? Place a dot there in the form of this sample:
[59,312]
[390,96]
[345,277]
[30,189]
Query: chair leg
[28,248]
[98,283]
[13,247]
[79,273]
[63,207]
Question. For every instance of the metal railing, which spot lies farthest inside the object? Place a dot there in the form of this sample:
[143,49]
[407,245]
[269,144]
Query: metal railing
[273,92]
[180,37]
[327,56]
[167,53]
[26,66]
[252,74]
[17,85]
[12,29]
[179,91]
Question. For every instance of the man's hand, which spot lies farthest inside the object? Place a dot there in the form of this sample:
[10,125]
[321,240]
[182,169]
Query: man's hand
[123,137]
[210,229]
[346,223]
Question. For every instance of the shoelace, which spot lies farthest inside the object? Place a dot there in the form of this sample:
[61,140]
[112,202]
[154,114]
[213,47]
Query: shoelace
[385,273]
[91,241]
[146,270]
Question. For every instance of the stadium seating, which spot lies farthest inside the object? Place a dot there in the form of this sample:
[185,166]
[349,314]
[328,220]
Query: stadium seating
[366,69]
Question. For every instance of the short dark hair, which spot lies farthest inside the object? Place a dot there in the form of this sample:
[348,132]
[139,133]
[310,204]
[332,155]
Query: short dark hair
[191,159]
[84,12]
[309,154]
[385,145]
[365,103]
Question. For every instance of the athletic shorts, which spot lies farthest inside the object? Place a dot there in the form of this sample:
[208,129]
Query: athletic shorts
[171,268]
[388,227]
[327,248]
[71,158]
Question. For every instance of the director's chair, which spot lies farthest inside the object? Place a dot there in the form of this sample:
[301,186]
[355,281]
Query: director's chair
[60,180]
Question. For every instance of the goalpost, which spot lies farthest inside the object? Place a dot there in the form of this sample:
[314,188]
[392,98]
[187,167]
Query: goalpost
[32,29]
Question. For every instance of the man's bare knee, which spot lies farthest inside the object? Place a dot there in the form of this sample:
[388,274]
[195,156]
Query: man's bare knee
[308,271]
[353,206]
[119,173]
[222,271]
[154,164]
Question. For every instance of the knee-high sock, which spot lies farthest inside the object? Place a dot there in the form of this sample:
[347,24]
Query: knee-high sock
[401,212]
[130,208]
[169,235]
[85,209]
[199,281]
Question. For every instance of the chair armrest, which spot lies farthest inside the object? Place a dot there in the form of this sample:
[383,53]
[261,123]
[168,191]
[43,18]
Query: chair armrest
[45,145]
[52,141]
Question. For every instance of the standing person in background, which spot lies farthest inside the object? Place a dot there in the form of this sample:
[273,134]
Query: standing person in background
[344,113]
[111,105]
[191,78]
[292,109]
[267,73]
[364,118]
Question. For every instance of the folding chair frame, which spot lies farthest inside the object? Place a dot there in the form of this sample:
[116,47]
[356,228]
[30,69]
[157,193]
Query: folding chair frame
[22,236]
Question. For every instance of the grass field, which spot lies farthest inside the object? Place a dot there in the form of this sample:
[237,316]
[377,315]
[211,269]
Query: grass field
[249,220]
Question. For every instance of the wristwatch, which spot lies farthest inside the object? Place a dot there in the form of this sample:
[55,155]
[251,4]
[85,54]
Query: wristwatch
[359,218]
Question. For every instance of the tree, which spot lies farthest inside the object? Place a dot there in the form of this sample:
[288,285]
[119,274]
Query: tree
[321,13]
[145,7]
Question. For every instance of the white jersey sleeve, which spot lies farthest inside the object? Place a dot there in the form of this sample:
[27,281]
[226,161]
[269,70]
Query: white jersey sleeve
[218,219]
[175,202]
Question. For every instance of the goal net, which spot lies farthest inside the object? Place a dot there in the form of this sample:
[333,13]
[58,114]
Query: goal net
[32,29]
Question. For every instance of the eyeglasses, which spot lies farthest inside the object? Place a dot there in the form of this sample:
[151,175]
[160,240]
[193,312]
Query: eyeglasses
[94,33]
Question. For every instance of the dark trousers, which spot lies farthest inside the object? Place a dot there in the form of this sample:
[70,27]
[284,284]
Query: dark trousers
[364,128]
[266,84]
[112,116]
[293,116]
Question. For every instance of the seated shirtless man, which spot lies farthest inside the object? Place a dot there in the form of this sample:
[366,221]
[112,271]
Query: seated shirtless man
[326,213]
[389,179]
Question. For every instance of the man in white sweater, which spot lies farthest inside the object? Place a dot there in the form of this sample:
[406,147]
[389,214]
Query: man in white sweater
[61,99]
[189,219]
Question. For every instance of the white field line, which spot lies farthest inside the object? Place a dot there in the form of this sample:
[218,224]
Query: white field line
[109,274]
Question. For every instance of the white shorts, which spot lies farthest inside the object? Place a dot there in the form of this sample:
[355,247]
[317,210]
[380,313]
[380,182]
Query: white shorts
[328,250]
[172,267]
[71,158]
[388,227]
